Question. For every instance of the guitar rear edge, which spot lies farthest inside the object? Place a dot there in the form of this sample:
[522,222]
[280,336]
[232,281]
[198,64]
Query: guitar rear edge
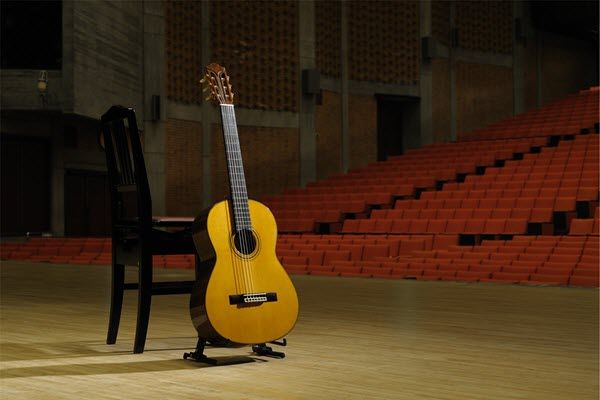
[245,298]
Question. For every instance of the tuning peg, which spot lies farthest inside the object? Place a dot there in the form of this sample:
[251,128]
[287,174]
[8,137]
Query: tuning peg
[202,80]
[205,89]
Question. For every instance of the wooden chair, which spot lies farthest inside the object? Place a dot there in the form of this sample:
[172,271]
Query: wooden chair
[136,234]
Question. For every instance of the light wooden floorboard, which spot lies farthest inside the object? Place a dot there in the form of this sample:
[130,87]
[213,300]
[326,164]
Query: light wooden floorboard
[355,339]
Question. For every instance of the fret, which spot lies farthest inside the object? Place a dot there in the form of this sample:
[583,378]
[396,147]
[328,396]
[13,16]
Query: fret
[235,169]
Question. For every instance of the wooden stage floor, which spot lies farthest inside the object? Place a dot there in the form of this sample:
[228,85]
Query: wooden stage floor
[355,339]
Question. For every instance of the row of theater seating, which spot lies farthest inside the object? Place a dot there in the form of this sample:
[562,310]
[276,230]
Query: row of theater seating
[524,198]
[389,190]
[82,251]
[537,215]
[406,242]
[489,150]
[585,226]
[466,226]
[558,260]
[380,183]
[566,116]
[525,259]
[541,183]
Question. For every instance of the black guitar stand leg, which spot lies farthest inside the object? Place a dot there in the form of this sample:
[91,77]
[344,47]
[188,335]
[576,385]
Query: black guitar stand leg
[262,349]
[199,355]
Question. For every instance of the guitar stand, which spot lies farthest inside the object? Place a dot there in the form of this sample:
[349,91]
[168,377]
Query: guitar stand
[263,350]
[198,355]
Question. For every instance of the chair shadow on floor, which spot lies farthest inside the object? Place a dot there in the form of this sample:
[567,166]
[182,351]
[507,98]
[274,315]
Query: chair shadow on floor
[95,368]
[57,350]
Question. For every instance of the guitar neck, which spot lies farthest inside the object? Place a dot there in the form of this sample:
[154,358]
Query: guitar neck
[235,169]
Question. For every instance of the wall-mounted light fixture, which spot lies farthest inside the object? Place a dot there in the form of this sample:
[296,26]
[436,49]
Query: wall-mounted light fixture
[42,82]
[42,86]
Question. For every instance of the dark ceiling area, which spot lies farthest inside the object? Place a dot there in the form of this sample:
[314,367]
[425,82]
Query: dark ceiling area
[572,18]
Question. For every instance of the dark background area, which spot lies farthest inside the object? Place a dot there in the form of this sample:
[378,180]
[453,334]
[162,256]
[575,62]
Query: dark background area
[31,34]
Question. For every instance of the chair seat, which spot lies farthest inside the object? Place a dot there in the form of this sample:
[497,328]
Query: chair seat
[171,221]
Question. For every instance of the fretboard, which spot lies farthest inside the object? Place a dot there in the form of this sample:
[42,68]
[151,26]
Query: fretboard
[235,170]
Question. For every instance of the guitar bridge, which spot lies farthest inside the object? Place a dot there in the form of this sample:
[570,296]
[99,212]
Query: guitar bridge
[252,298]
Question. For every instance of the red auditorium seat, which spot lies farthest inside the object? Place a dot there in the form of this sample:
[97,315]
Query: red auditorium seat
[427,213]
[469,203]
[445,214]
[315,257]
[541,215]
[411,213]
[562,279]
[564,204]
[509,277]
[400,226]
[294,260]
[455,226]
[350,226]
[378,272]
[501,213]
[370,252]
[472,276]
[463,213]
[331,256]
[588,281]
[436,226]
[393,213]
[515,226]
[474,226]
[443,241]
[494,226]
[354,249]
[287,253]
[418,226]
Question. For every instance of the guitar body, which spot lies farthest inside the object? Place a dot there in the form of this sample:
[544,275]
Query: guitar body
[242,269]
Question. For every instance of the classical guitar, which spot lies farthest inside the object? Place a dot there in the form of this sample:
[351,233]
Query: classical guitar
[246,297]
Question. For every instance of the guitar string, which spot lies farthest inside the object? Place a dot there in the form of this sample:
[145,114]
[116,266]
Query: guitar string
[242,199]
[243,206]
[237,196]
[237,268]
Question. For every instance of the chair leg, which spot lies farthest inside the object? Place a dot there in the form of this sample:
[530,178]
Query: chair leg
[144,301]
[116,302]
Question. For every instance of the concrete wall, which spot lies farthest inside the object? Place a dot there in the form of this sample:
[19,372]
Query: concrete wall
[183,166]
[270,156]
[124,52]
[484,95]
[329,135]
[108,65]
[567,65]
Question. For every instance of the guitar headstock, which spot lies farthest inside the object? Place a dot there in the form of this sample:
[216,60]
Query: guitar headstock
[217,82]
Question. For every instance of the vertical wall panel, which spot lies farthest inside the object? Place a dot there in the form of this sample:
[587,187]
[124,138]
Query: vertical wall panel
[270,156]
[183,150]
[567,66]
[363,130]
[329,135]
[107,56]
[183,35]
[485,25]
[384,42]
[440,21]
[257,41]
[440,102]
[484,95]
[328,36]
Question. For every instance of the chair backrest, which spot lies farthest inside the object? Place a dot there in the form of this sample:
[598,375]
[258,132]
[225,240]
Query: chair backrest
[129,189]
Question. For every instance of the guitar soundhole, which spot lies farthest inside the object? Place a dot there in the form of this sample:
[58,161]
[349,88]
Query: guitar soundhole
[245,241]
